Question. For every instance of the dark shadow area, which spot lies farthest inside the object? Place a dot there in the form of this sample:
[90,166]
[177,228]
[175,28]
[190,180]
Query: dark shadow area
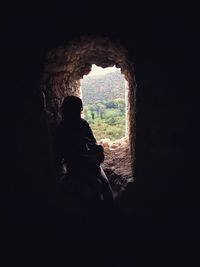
[155,219]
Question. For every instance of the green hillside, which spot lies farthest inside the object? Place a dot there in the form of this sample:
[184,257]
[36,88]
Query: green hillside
[104,105]
[105,87]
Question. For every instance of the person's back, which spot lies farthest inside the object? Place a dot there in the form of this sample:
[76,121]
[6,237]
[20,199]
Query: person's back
[76,147]
[72,140]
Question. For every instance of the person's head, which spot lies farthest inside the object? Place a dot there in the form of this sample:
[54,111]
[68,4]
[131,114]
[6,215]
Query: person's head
[71,108]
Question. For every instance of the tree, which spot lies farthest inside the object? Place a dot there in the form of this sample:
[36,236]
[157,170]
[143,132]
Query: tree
[106,122]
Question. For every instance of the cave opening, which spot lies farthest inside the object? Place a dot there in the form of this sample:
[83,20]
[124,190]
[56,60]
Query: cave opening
[103,93]
[64,69]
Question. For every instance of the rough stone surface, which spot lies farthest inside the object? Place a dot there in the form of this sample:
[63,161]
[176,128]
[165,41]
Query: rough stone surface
[118,163]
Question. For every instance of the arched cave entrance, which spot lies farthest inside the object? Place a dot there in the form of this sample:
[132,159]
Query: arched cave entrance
[63,70]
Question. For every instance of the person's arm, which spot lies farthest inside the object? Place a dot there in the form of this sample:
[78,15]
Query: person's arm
[96,155]
[89,133]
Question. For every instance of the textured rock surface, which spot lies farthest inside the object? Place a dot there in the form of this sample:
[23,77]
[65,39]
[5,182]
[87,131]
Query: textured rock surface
[118,163]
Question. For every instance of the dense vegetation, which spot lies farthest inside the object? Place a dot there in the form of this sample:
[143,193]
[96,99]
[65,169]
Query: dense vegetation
[105,87]
[104,105]
[106,118]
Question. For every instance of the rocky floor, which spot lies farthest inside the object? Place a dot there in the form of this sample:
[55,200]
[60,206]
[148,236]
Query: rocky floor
[117,164]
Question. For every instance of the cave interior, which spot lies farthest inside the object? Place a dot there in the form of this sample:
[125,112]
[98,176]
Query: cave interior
[48,50]
[64,67]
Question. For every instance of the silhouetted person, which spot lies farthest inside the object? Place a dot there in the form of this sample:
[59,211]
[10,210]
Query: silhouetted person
[77,150]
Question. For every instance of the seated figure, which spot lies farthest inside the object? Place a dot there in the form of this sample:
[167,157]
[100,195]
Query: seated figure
[77,151]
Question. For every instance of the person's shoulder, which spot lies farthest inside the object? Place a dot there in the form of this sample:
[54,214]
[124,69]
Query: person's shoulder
[84,122]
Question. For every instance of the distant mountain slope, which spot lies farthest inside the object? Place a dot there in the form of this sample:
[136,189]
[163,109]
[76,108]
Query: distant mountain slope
[105,87]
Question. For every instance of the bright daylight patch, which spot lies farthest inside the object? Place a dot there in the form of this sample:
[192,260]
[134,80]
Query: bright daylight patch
[103,95]
[100,71]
